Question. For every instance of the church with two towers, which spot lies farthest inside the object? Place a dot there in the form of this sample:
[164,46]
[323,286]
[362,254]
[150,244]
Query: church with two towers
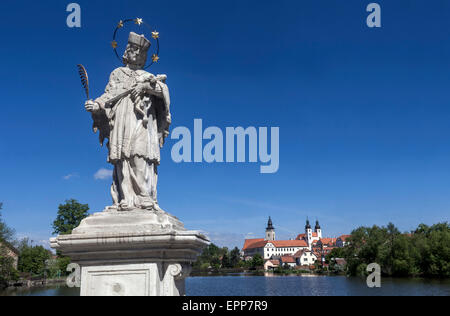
[269,247]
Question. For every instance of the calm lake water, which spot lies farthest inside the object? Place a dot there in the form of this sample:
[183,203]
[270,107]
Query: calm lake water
[245,285]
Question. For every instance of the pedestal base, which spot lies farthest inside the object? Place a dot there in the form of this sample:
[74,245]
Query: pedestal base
[143,253]
[146,279]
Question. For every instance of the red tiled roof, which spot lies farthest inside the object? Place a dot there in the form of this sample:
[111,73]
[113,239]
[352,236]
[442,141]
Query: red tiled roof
[301,236]
[254,243]
[260,243]
[300,253]
[275,262]
[287,259]
[344,237]
[289,243]
[328,241]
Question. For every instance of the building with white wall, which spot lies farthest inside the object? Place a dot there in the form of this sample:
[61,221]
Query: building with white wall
[273,248]
[306,249]
[305,257]
[288,260]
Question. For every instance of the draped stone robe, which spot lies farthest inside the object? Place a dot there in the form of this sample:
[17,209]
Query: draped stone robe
[135,129]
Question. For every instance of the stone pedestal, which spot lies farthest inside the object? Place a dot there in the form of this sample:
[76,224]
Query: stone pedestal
[132,253]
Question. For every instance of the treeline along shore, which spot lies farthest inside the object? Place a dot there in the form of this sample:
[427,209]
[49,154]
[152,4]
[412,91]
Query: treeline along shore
[424,252]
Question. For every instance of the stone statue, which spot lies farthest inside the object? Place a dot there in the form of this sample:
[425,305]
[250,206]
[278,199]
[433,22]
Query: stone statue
[134,115]
[133,248]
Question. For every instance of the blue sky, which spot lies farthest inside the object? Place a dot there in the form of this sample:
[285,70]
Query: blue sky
[363,113]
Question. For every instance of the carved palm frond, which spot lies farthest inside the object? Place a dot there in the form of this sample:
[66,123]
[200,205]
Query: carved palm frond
[84,79]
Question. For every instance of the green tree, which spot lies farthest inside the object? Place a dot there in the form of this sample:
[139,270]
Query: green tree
[364,248]
[6,233]
[62,263]
[7,271]
[210,257]
[32,259]
[216,257]
[335,253]
[235,257]
[425,252]
[69,216]
[433,249]
[226,262]
[257,261]
[215,262]
[387,248]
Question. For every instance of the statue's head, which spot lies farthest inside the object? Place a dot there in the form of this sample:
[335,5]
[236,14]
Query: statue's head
[136,52]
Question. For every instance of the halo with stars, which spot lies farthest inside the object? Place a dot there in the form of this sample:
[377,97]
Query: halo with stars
[139,22]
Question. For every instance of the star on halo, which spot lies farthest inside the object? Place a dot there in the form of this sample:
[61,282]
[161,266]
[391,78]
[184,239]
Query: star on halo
[140,22]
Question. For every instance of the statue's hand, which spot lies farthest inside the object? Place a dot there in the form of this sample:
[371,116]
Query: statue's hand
[139,90]
[91,106]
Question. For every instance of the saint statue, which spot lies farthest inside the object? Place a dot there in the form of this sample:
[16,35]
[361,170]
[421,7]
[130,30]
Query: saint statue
[134,115]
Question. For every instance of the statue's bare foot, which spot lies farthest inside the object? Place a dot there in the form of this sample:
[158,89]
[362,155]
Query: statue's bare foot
[124,206]
[147,204]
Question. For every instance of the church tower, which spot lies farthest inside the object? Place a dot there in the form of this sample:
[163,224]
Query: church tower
[270,230]
[308,232]
[318,230]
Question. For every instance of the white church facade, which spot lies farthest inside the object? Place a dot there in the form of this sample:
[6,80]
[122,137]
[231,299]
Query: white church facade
[269,247]
[306,249]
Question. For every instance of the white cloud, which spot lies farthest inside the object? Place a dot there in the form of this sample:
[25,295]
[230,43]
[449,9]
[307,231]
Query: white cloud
[70,176]
[103,174]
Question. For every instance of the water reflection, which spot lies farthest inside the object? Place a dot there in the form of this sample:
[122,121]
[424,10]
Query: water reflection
[275,285]
[55,290]
[310,285]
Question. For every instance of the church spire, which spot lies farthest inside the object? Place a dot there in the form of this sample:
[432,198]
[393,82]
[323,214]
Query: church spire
[307,226]
[317,225]
[269,224]
[270,230]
